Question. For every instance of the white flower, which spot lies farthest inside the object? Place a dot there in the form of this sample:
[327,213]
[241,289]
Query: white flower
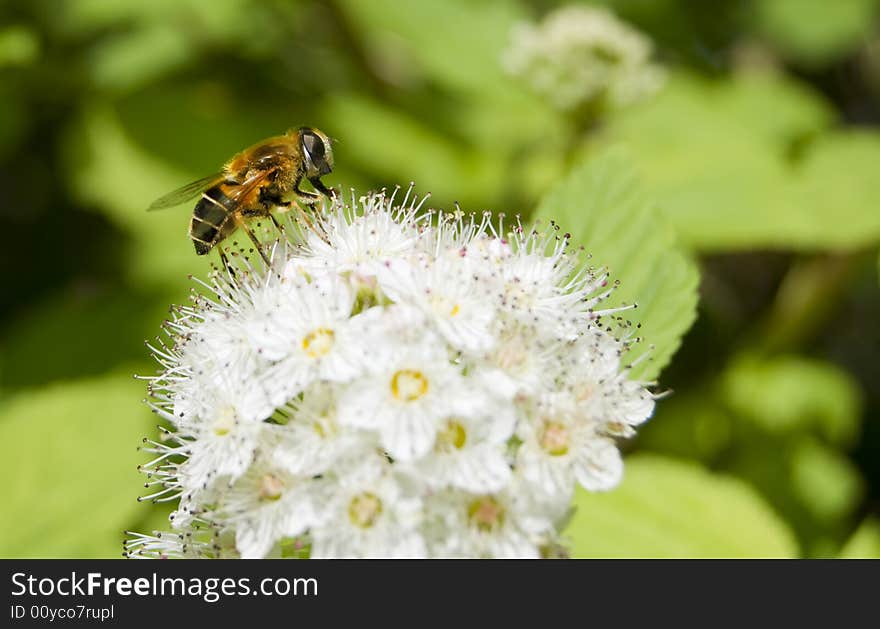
[369,515]
[560,446]
[405,397]
[264,506]
[521,360]
[582,56]
[600,387]
[313,441]
[448,293]
[310,337]
[470,449]
[223,449]
[498,526]
[218,429]
[361,243]
[396,384]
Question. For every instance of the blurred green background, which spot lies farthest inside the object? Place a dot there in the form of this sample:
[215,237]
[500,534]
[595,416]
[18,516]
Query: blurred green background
[761,152]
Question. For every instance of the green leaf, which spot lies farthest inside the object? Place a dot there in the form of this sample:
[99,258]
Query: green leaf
[838,188]
[711,172]
[815,32]
[669,509]
[689,425]
[110,327]
[787,394]
[450,51]
[133,59]
[692,109]
[865,542]
[826,482]
[729,176]
[400,149]
[221,19]
[110,171]
[19,46]
[813,487]
[67,454]
[455,42]
[600,203]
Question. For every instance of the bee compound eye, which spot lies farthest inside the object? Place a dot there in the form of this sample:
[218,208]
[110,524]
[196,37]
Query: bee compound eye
[314,146]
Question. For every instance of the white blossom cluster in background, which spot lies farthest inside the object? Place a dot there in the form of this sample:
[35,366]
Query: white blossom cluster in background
[399,384]
[583,57]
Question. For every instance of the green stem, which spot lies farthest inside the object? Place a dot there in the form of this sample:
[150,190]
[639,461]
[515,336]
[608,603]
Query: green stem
[806,299]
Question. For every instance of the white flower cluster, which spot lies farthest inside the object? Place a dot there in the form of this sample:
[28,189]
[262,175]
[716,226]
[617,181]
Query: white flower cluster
[397,384]
[584,57]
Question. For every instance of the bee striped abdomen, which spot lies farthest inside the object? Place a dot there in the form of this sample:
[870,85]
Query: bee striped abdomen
[212,219]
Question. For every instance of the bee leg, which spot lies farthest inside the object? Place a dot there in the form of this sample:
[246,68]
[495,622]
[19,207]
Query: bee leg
[225,261]
[320,187]
[309,198]
[310,224]
[275,201]
[305,217]
[256,242]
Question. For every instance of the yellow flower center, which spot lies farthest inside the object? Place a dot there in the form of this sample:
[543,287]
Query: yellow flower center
[444,306]
[486,514]
[364,509]
[408,385]
[325,426]
[271,487]
[225,421]
[452,436]
[555,438]
[318,342]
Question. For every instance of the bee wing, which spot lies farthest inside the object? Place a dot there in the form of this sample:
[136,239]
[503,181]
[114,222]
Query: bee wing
[252,183]
[185,193]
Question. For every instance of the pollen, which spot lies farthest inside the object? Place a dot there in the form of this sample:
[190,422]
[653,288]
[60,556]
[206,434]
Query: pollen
[452,436]
[271,488]
[555,438]
[364,509]
[486,514]
[318,342]
[408,385]
[444,306]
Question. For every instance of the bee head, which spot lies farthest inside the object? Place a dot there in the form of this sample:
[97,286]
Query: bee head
[316,152]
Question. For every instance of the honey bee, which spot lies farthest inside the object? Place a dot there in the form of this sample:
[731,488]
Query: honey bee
[253,183]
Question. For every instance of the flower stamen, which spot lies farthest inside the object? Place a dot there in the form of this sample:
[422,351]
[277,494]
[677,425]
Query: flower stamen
[271,488]
[555,438]
[318,342]
[486,514]
[364,509]
[408,385]
[452,436]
